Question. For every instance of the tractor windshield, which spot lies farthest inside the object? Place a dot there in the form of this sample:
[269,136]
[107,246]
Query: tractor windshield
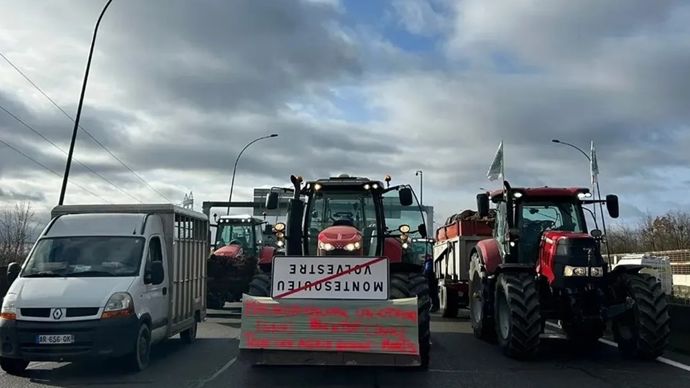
[537,217]
[346,208]
[235,234]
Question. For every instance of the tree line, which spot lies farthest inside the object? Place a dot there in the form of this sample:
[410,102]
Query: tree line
[670,231]
[17,233]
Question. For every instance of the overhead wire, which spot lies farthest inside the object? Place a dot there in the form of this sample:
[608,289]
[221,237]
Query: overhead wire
[24,154]
[93,138]
[65,152]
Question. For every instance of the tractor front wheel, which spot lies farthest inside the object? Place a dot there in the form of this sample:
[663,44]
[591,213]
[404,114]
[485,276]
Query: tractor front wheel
[260,285]
[643,331]
[479,301]
[408,286]
[518,317]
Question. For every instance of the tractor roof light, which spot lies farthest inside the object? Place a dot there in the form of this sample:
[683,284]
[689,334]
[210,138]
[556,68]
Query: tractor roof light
[517,194]
[317,187]
[583,195]
[367,186]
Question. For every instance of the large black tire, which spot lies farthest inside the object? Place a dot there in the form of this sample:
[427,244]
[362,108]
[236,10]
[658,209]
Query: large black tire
[13,366]
[449,302]
[407,286]
[517,314]
[483,325]
[643,331]
[140,358]
[260,285]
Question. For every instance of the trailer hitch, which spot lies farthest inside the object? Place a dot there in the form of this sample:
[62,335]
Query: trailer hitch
[619,309]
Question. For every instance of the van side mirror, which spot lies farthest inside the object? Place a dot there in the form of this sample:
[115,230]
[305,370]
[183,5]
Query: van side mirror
[155,275]
[422,230]
[405,196]
[483,205]
[612,205]
[13,271]
[272,200]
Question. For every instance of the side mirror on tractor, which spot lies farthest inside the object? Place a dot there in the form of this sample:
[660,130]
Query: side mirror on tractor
[405,195]
[272,200]
[13,271]
[268,229]
[483,205]
[612,205]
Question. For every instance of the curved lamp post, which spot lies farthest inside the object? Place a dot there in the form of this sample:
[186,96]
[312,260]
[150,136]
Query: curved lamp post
[81,103]
[234,170]
[420,174]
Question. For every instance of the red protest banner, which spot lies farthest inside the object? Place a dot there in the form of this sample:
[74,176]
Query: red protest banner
[330,325]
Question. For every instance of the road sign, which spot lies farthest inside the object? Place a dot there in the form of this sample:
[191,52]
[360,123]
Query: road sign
[328,277]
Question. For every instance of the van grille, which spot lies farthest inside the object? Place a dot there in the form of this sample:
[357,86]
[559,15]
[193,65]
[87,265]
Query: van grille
[71,312]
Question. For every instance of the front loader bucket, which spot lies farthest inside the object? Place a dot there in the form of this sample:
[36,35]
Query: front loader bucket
[329,332]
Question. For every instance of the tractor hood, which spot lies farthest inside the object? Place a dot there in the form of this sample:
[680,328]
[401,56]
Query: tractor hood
[340,236]
[231,250]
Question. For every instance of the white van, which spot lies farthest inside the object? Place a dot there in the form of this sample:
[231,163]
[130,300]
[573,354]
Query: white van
[106,281]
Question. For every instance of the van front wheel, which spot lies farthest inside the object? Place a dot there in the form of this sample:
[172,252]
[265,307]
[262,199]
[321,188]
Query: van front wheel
[140,358]
[13,366]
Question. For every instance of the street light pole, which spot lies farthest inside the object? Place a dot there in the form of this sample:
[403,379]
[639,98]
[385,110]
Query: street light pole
[81,103]
[420,174]
[594,184]
[234,170]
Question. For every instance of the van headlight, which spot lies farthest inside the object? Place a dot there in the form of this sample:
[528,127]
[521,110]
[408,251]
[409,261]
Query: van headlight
[119,305]
[570,271]
[9,308]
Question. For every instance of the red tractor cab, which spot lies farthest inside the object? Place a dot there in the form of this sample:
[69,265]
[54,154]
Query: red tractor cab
[542,264]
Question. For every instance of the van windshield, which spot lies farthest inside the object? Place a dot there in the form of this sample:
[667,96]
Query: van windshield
[85,256]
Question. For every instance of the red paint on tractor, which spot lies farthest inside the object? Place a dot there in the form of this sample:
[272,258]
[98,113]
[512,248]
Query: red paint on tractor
[548,249]
[392,249]
[266,255]
[490,254]
[232,250]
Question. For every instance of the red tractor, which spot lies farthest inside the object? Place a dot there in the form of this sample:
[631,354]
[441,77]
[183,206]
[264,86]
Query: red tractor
[238,249]
[348,216]
[542,264]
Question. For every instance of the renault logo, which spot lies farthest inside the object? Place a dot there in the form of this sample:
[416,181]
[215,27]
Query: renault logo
[58,314]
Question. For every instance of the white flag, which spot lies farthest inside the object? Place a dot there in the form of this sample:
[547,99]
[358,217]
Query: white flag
[593,165]
[496,169]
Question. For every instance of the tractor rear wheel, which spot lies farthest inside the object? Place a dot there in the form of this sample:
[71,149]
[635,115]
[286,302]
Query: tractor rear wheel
[260,285]
[409,285]
[518,318]
[643,331]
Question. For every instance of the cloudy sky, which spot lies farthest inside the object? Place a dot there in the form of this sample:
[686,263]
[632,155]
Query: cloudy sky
[369,88]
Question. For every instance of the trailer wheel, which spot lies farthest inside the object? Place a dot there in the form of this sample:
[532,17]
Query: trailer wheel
[643,331]
[13,366]
[518,319]
[449,299]
[409,285]
[483,325]
[260,285]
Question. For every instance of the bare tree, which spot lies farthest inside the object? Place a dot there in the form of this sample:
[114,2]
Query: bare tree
[16,233]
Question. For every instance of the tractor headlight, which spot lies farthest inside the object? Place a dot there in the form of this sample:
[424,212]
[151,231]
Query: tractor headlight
[326,246]
[280,243]
[279,227]
[353,246]
[570,271]
[405,245]
[404,228]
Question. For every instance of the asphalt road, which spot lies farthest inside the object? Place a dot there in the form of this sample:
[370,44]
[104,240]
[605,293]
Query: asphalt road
[458,360]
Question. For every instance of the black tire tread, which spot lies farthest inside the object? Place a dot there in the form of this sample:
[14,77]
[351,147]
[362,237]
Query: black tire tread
[450,308]
[651,317]
[522,298]
[260,285]
[405,285]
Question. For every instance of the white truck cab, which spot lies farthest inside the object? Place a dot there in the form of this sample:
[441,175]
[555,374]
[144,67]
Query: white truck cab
[106,281]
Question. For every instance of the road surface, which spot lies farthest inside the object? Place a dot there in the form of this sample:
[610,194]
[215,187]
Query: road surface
[458,360]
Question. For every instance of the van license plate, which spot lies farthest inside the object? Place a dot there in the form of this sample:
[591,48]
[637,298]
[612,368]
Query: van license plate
[57,339]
